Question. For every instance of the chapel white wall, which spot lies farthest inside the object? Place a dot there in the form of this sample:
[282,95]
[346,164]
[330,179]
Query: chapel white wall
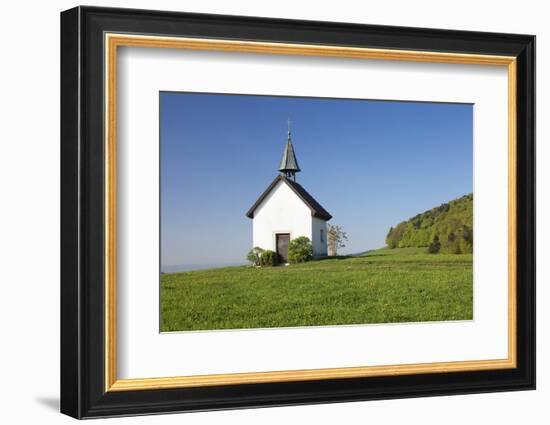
[319,246]
[282,211]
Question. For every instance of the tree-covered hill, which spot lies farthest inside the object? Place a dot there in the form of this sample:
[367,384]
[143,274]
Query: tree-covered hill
[447,228]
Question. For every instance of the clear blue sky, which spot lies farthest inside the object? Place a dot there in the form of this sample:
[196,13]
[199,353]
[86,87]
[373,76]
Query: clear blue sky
[371,164]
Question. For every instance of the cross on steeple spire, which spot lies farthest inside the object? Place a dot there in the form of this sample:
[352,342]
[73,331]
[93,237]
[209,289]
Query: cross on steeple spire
[289,164]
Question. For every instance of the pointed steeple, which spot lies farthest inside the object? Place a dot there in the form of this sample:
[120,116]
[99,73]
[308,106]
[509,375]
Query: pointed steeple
[289,164]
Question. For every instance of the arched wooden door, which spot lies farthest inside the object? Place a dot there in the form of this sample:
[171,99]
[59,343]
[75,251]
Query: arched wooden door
[282,240]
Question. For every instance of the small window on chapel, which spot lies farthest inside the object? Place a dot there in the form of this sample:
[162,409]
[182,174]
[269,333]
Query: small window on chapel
[322,236]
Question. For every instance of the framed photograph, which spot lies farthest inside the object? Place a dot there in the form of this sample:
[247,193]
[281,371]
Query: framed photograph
[261,212]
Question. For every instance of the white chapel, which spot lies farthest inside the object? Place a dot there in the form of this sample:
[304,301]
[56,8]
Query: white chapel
[286,211]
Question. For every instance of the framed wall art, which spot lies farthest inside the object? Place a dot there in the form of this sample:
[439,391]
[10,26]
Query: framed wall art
[261,212]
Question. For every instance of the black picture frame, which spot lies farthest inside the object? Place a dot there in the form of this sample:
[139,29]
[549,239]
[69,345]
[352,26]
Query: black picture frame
[82,218]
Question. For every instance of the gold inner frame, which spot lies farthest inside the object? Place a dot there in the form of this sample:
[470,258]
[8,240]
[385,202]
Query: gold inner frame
[113,41]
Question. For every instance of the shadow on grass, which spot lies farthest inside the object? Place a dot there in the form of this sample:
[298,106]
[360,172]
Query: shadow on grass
[334,257]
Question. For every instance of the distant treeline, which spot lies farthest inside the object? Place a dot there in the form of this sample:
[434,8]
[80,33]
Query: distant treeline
[447,229]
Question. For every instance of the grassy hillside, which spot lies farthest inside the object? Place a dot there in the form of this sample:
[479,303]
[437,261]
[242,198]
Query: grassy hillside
[446,229]
[382,286]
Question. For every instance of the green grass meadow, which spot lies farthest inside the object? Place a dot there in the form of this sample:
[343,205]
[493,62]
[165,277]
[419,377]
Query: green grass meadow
[382,286]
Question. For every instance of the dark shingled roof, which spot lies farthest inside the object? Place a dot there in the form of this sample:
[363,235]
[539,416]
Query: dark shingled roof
[288,160]
[316,209]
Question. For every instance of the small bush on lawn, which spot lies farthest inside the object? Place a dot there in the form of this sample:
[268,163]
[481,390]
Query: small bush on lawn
[268,258]
[254,255]
[300,250]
